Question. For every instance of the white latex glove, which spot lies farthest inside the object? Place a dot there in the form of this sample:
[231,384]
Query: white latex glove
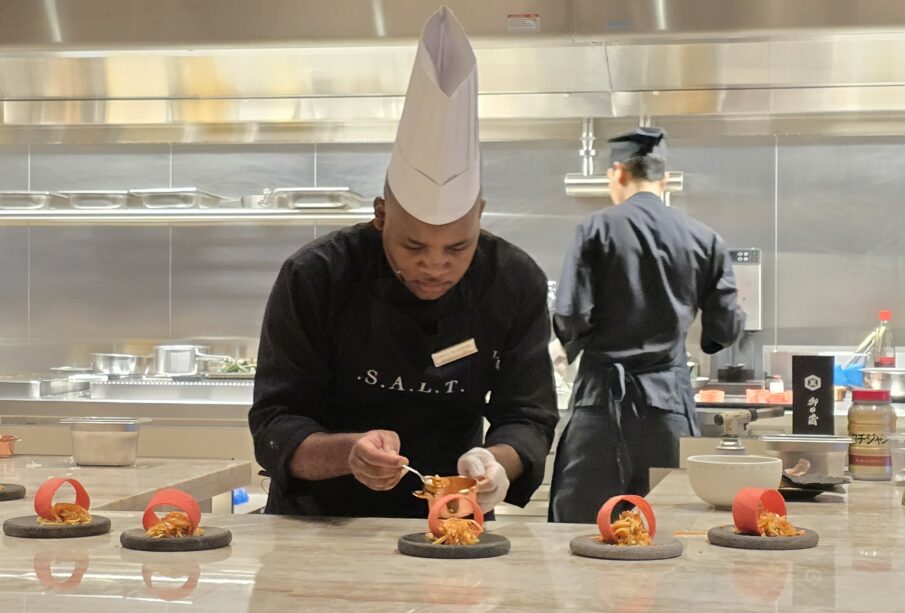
[492,480]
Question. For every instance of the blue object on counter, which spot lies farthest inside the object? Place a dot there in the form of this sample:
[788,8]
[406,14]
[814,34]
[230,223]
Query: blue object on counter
[839,375]
[854,375]
[851,375]
[240,495]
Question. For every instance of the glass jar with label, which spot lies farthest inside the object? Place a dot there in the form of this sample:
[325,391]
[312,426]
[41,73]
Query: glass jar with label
[871,419]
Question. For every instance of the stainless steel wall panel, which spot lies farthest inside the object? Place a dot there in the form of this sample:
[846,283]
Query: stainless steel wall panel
[62,167]
[242,170]
[96,283]
[13,167]
[841,238]
[729,185]
[527,178]
[361,167]
[544,238]
[13,282]
[526,200]
[222,277]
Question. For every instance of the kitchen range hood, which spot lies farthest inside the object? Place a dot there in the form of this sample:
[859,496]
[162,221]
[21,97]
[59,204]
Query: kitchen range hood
[336,70]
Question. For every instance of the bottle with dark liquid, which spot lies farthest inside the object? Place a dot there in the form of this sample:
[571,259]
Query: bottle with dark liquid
[884,346]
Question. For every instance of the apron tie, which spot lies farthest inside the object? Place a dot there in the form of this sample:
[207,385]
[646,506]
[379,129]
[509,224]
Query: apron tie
[623,386]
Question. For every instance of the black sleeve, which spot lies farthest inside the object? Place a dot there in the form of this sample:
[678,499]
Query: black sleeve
[522,410]
[722,320]
[575,294]
[292,373]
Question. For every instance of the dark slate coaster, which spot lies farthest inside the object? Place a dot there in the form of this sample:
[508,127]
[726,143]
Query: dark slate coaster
[28,527]
[592,547]
[726,536]
[417,545]
[213,538]
[11,491]
[815,481]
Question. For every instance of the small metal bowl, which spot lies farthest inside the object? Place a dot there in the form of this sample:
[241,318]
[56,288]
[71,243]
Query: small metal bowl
[467,486]
[7,445]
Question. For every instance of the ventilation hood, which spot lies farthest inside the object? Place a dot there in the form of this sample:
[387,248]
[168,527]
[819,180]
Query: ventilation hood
[335,70]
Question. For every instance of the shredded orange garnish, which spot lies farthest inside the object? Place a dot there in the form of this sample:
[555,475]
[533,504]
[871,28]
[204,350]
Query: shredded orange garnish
[630,530]
[436,483]
[772,524]
[67,513]
[174,525]
[457,531]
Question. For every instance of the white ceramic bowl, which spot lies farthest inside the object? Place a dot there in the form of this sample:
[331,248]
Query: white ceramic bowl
[718,478]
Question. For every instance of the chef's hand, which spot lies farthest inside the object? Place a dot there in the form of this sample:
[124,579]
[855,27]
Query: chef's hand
[492,480]
[375,460]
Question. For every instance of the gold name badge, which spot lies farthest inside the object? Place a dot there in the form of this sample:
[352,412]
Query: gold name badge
[456,352]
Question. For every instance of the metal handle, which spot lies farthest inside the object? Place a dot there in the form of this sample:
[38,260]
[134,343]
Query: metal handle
[207,357]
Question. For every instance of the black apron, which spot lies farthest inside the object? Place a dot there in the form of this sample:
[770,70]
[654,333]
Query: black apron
[384,378]
[593,458]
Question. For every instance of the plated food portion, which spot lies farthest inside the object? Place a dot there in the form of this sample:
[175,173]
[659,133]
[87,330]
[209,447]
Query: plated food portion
[60,520]
[179,530]
[631,535]
[455,527]
[761,522]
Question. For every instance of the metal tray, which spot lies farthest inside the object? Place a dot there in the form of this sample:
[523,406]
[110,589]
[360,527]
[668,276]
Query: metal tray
[178,198]
[98,199]
[168,390]
[25,388]
[306,198]
[27,201]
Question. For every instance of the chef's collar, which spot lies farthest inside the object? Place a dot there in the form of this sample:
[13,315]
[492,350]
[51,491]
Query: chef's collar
[637,143]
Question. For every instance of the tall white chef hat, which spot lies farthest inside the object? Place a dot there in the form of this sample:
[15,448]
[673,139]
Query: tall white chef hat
[435,169]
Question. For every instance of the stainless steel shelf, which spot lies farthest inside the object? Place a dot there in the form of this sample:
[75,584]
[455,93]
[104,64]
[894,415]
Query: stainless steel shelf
[183,216]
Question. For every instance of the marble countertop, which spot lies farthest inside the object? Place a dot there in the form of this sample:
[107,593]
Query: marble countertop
[282,564]
[123,488]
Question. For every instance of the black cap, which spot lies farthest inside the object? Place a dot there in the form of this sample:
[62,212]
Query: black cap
[637,143]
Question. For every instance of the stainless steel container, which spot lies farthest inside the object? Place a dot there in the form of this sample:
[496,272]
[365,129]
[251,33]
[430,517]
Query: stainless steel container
[892,379]
[27,388]
[825,455]
[118,363]
[104,441]
[184,360]
[178,198]
[25,200]
[307,198]
[98,199]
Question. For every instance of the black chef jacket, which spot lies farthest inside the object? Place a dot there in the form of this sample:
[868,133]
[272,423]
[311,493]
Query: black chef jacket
[634,280]
[632,284]
[345,347]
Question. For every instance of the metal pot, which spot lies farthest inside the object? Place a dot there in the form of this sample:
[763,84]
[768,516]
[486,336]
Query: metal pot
[892,379]
[117,363]
[184,360]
